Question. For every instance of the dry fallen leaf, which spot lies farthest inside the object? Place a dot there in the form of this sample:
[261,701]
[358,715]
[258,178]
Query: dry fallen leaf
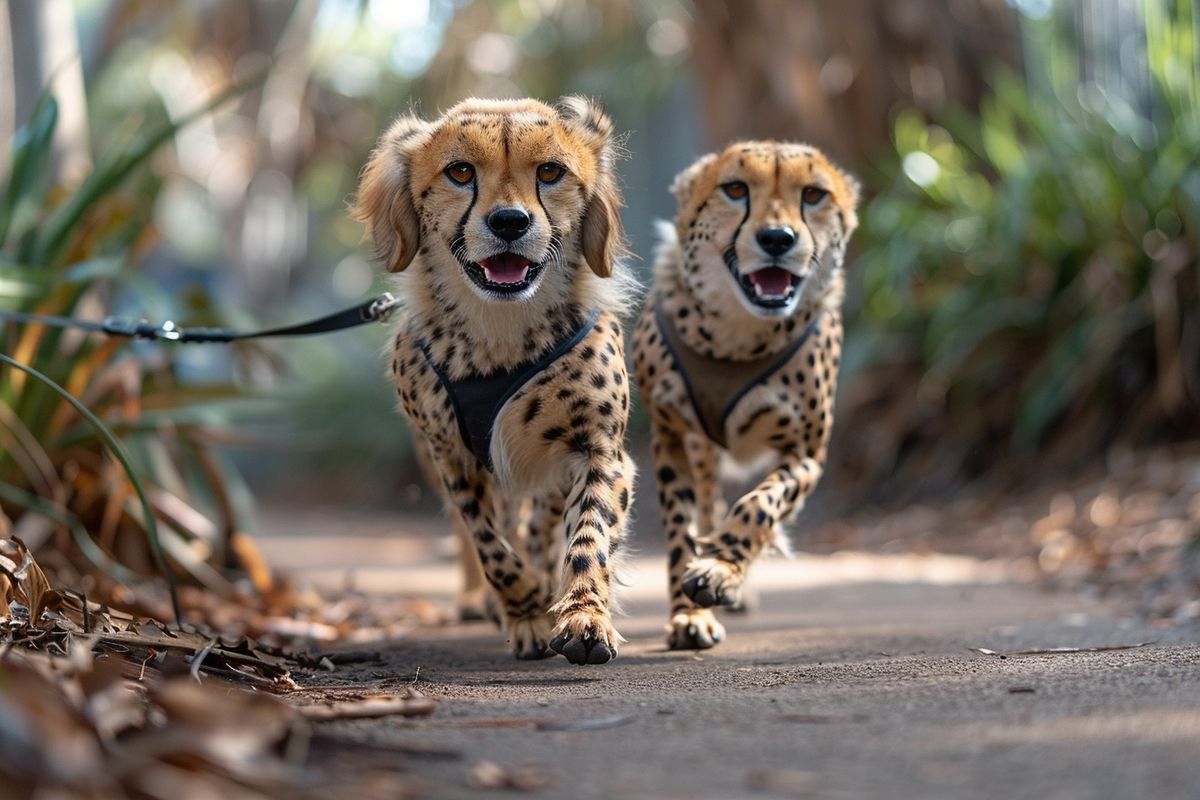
[600,723]
[410,704]
[25,578]
[490,775]
[1053,651]
[74,726]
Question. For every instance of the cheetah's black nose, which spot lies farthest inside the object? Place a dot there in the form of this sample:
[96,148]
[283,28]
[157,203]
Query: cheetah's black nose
[509,224]
[776,240]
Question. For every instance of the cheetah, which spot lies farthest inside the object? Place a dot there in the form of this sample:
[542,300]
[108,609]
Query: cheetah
[501,219]
[736,352]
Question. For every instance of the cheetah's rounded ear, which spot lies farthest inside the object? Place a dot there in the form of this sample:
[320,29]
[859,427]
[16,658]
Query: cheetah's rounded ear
[385,199]
[587,119]
[602,233]
[687,180]
[853,191]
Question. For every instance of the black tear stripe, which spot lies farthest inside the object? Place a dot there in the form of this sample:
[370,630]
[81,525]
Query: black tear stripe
[555,233]
[731,251]
[460,238]
[807,227]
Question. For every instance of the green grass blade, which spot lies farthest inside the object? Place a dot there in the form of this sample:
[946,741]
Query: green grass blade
[30,153]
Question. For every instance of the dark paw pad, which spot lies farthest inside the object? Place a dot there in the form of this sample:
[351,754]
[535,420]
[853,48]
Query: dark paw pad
[693,637]
[471,613]
[741,606]
[536,652]
[701,591]
[585,649]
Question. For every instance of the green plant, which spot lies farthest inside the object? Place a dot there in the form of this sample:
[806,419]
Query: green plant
[1034,272]
[75,252]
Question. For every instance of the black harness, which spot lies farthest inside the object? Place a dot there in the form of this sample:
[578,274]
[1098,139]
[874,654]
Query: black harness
[478,399]
[716,385]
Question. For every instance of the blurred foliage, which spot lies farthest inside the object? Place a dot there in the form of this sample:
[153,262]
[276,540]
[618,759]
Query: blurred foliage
[1033,272]
[75,251]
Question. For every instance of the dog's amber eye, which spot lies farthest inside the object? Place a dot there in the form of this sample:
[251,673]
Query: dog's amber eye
[813,195]
[460,172]
[550,172]
[735,190]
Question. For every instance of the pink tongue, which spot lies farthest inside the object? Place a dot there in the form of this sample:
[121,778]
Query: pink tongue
[505,268]
[772,280]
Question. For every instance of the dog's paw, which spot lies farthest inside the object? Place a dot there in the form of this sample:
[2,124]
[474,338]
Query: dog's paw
[711,582]
[530,637]
[586,638]
[696,629]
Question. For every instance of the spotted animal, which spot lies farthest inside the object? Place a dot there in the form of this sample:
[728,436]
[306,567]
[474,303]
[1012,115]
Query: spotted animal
[737,352]
[502,220]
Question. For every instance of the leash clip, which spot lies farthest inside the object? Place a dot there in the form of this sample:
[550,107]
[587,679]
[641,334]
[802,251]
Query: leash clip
[141,329]
[129,327]
[169,331]
[382,307]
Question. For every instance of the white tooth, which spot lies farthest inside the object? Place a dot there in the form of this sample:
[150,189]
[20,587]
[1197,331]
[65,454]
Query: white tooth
[524,273]
[758,290]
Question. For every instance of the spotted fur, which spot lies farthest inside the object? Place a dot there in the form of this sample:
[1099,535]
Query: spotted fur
[701,262]
[548,521]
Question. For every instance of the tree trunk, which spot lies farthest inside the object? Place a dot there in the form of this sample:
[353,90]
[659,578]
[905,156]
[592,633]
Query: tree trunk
[7,90]
[830,73]
[44,54]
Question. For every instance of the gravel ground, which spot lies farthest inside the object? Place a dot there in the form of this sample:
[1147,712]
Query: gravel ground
[855,675]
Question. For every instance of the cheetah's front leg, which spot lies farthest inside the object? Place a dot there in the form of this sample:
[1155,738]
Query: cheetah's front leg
[522,595]
[716,576]
[595,525]
[680,480]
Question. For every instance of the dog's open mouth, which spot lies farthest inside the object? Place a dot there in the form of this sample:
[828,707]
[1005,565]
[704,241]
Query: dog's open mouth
[770,287]
[503,273]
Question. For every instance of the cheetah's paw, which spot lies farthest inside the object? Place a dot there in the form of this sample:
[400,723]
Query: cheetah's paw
[710,582]
[586,638]
[477,604]
[694,629]
[530,637]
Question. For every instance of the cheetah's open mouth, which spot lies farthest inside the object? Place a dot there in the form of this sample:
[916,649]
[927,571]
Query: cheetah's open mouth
[770,287]
[503,273]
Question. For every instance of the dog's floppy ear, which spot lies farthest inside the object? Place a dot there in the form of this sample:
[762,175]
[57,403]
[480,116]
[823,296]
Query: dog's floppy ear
[384,202]
[602,235]
[685,182]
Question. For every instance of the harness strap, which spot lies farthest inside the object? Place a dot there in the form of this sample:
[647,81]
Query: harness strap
[716,385]
[478,399]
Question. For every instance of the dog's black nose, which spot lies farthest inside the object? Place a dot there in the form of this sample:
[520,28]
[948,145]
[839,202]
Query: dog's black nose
[509,224]
[776,240]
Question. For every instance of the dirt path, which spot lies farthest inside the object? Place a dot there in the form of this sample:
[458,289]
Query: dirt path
[854,676]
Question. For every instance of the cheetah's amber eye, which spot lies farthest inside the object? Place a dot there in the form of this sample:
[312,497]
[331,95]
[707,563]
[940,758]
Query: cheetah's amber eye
[735,190]
[460,172]
[813,195]
[550,172]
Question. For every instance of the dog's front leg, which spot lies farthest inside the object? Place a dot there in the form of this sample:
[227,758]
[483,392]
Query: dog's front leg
[716,576]
[597,506]
[523,597]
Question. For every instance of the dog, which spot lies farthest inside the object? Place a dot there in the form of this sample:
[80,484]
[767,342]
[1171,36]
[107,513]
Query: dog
[502,219]
[737,352]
